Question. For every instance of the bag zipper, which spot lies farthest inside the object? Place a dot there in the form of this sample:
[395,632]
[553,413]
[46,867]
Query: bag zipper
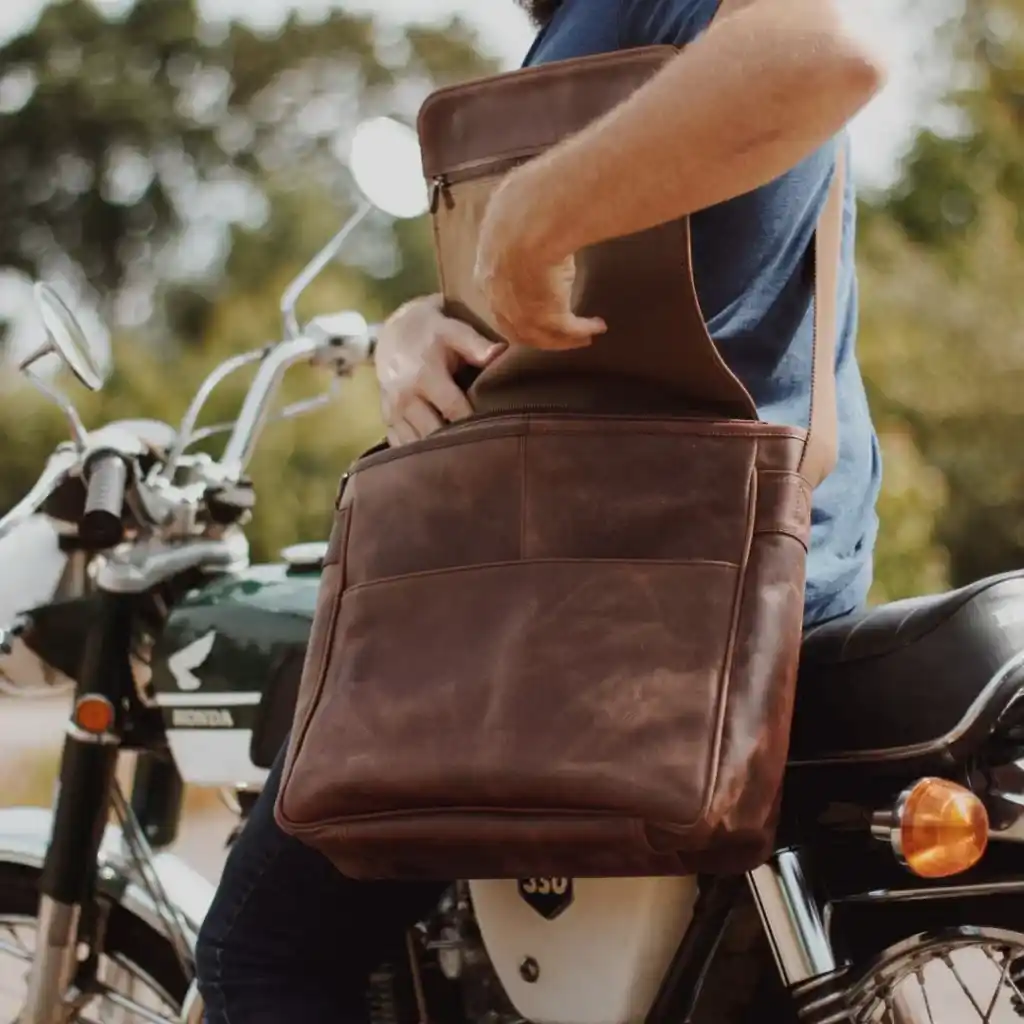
[441,184]
[439,188]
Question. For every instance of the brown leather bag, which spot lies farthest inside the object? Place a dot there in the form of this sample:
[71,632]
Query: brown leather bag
[561,638]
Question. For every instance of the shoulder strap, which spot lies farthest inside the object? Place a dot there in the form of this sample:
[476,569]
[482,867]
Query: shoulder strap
[821,447]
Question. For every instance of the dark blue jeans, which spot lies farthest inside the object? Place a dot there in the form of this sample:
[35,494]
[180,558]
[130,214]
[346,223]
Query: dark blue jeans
[288,939]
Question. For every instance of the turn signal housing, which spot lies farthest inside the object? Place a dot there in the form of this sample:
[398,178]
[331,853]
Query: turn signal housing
[93,714]
[936,829]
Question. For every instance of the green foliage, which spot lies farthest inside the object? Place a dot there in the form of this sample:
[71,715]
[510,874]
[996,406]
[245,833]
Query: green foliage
[193,106]
[941,258]
[942,267]
[122,121]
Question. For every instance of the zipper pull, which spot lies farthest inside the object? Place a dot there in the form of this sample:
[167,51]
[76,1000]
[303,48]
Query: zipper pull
[438,189]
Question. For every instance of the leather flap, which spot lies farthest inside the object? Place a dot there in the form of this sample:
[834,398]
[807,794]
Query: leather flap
[523,112]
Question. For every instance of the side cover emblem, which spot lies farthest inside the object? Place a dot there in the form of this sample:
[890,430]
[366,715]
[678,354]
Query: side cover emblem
[184,663]
[548,896]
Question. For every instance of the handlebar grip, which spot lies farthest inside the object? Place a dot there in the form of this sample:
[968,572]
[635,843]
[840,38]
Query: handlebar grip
[101,525]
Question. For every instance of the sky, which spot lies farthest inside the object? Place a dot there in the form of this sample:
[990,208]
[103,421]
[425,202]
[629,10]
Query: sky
[880,132]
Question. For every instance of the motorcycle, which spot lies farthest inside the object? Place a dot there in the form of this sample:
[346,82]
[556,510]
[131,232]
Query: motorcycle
[145,525]
[895,894]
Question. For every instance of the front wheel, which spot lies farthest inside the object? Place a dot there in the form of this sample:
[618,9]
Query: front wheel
[139,979]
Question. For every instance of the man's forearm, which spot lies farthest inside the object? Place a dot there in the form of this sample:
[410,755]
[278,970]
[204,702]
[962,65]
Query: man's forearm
[758,93]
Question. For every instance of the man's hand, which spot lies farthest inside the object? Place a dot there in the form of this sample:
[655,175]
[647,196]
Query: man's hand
[529,292]
[419,350]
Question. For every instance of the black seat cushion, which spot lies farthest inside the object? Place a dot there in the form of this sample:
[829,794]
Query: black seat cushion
[910,678]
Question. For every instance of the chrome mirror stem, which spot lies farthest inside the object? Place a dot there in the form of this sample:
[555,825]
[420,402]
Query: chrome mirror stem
[315,267]
[78,432]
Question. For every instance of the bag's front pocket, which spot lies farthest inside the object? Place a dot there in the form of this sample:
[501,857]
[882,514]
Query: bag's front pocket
[590,687]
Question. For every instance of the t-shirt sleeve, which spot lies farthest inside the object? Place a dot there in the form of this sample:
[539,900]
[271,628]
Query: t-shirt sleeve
[672,22]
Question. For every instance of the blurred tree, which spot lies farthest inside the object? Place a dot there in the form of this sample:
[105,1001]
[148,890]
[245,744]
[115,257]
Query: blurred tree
[117,133]
[130,143]
[943,334]
[950,180]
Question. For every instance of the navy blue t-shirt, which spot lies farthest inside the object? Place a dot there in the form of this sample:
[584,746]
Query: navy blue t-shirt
[749,255]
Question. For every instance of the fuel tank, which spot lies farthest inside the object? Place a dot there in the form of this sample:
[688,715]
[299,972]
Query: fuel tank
[226,668]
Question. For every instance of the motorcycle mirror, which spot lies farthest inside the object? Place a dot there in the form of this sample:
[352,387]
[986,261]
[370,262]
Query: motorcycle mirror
[385,162]
[386,165]
[65,337]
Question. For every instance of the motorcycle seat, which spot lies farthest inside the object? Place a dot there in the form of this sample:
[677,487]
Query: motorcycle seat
[912,679]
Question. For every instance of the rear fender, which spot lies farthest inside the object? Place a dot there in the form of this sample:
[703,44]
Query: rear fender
[25,834]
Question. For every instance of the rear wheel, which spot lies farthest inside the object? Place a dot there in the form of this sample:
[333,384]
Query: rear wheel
[933,961]
[139,977]
[926,962]
[962,975]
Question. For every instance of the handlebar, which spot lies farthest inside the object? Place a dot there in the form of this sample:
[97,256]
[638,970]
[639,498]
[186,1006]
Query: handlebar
[257,402]
[108,464]
[320,342]
[186,430]
[101,525]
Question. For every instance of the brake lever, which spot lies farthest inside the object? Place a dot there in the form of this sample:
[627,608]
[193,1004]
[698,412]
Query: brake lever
[345,341]
[204,433]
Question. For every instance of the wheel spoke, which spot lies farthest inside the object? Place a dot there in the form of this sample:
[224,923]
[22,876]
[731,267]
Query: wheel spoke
[920,981]
[919,974]
[123,994]
[125,1004]
[1003,975]
[18,951]
[890,1007]
[1013,984]
[22,949]
[948,961]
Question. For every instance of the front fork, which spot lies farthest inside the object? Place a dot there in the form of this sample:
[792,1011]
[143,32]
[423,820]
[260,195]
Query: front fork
[69,875]
[70,925]
[793,921]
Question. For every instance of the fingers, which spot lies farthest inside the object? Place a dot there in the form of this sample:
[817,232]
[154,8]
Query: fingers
[433,385]
[553,333]
[423,418]
[472,346]
[532,305]
[449,399]
[426,401]
[417,420]
[442,401]
[400,433]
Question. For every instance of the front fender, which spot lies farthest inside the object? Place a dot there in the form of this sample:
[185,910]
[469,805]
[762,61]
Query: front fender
[25,835]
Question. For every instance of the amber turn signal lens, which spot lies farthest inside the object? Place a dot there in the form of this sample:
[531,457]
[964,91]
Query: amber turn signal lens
[943,829]
[93,714]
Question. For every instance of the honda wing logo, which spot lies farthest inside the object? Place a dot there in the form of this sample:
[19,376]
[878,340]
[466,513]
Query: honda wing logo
[188,659]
